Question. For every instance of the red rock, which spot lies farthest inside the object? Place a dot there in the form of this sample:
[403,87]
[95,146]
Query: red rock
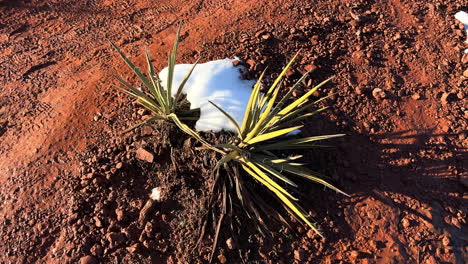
[88,260]
[310,67]
[145,155]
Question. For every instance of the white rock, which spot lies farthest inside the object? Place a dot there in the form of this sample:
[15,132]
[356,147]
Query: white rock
[156,194]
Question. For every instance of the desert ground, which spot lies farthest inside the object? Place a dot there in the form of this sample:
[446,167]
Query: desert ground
[74,188]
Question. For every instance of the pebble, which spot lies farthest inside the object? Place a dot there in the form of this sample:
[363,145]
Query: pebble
[88,260]
[416,96]
[119,165]
[230,243]
[145,211]
[120,213]
[135,248]
[405,222]
[266,36]
[146,131]
[354,254]
[141,111]
[222,258]
[145,155]
[97,250]
[299,255]
[445,241]
[465,73]
[379,94]
[115,239]
[310,67]
[447,98]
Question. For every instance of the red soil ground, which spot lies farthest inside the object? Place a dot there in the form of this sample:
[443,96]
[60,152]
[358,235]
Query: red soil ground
[403,162]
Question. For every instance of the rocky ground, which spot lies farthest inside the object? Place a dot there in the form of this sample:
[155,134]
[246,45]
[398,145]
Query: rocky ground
[74,189]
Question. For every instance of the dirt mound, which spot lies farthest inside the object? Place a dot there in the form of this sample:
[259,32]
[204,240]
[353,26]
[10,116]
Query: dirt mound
[399,93]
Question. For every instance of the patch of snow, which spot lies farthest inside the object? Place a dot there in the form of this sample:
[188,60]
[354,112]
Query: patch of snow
[218,81]
[156,194]
[462,16]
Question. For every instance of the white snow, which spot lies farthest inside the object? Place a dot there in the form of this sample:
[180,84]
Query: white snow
[156,194]
[218,81]
[463,17]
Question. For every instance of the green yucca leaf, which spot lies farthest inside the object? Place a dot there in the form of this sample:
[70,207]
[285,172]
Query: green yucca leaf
[230,146]
[308,174]
[251,106]
[193,133]
[171,65]
[155,88]
[295,142]
[182,84]
[297,102]
[277,81]
[290,204]
[274,172]
[272,135]
[132,66]
[288,159]
[265,177]
[294,119]
[239,132]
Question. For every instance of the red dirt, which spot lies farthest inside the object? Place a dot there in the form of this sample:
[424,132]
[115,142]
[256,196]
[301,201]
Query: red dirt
[404,160]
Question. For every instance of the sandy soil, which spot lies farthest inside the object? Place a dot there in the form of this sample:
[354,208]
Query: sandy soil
[73,188]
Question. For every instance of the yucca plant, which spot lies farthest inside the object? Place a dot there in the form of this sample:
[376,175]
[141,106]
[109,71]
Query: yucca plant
[260,140]
[159,101]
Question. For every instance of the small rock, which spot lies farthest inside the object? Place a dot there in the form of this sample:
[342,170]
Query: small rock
[445,241]
[299,255]
[354,254]
[119,165]
[222,258]
[72,219]
[115,239]
[252,64]
[97,221]
[397,36]
[465,73]
[141,111]
[149,228]
[310,67]
[120,213]
[146,131]
[145,211]
[465,58]
[150,244]
[88,176]
[266,36]
[456,223]
[235,63]
[97,250]
[156,194]
[145,155]
[135,248]
[405,222]
[379,94]
[88,260]
[311,234]
[416,96]
[230,243]
[447,98]
[260,33]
